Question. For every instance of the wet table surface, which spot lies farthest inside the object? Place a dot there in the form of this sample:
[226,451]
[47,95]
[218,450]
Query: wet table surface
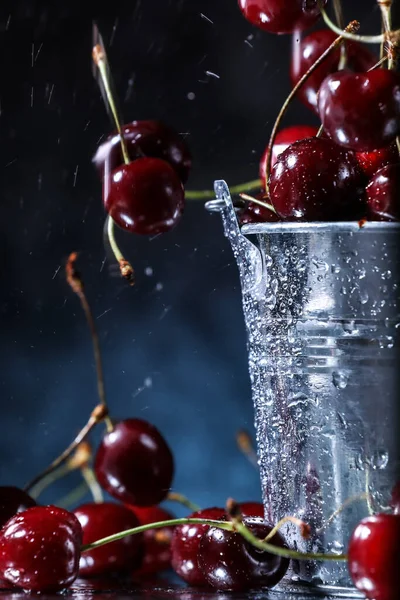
[162,589]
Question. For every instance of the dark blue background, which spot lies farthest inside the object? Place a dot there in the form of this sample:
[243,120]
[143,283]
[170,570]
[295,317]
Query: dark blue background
[180,330]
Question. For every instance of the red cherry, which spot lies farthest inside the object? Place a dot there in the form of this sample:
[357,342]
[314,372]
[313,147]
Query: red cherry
[157,542]
[383,194]
[284,138]
[395,500]
[254,213]
[230,563]
[145,197]
[308,50]
[361,111]
[152,139]
[185,546]
[371,162]
[40,549]
[101,520]
[276,16]
[12,501]
[374,557]
[134,463]
[316,180]
[252,509]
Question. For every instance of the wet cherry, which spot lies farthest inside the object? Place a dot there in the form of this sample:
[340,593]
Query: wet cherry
[276,16]
[284,138]
[383,194]
[371,162]
[374,557]
[101,520]
[230,563]
[152,139]
[12,501]
[134,463]
[254,213]
[308,50]
[316,180]
[145,197]
[252,509]
[40,549]
[157,542]
[361,111]
[185,546]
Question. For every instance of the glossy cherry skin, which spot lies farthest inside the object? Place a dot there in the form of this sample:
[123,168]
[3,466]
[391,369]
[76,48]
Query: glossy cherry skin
[276,16]
[254,213]
[374,557]
[185,546]
[371,162]
[134,463]
[316,180]
[284,138]
[152,139]
[12,501]
[99,521]
[157,542]
[230,563]
[383,194]
[395,499]
[40,549]
[308,50]
[144,197]
[361,111]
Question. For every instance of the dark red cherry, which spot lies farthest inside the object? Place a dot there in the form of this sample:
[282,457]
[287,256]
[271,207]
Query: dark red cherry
[145,197]
[395,499]
[383,194]
[371,162]
[40,549]
[316,180]
[12,501]
[134,463]
[361,111]
[254,213]
[99,521]
[374,557]
[308,50]
[230,563]
[276,16]
[252,509]
[152,139]
[185,546]
[284,138]
[157,542]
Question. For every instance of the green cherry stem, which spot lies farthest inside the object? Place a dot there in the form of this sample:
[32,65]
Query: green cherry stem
[367,39]
[181,499]
[92,483]
[228,526]
[125,266]
[266,205]
[74,496]
[353,26]
[249,186]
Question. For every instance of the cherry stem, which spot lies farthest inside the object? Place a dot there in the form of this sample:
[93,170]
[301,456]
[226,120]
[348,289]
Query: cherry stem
[367,39]
[74,496]
[227,526]
[245,445]
[386,6]
[259,202]
[100,60]
[249,186]
[338,511]
[125,266]
[304,528]
[353,26]
[92,483]
[75,281]
[99,414]
[379,63]
[49,479]
[181,499]
[337,7]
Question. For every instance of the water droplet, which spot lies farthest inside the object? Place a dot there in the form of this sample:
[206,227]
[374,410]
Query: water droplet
[364,296]
[340,379]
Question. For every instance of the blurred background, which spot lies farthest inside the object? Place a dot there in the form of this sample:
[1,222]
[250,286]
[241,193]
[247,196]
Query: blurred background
[174,346]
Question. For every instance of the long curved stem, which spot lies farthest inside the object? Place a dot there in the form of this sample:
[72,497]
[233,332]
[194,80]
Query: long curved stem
[266,168]
[249,186]
[181,499]
[366,39]
[386,13]
[228,526]
[125,266]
